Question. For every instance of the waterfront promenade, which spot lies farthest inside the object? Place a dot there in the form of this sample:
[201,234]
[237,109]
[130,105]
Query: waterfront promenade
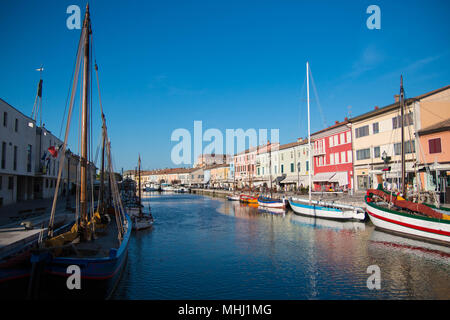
[14,235]
[357,199]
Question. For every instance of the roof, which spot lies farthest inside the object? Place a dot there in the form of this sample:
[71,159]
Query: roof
[336,125]
[293,144]
[396,105]
[438,127]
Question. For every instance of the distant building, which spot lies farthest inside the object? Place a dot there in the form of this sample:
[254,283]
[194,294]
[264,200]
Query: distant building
[204,160]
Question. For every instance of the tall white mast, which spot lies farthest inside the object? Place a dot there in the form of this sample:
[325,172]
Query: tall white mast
[309,130]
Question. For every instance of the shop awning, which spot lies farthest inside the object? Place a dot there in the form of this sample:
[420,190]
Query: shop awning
[296,179]
[323,176]
[340,177]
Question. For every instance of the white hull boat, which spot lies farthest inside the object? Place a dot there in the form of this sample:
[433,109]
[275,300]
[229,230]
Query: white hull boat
[326,210]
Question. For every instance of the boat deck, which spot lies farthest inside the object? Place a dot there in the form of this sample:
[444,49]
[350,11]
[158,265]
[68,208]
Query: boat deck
[100,246]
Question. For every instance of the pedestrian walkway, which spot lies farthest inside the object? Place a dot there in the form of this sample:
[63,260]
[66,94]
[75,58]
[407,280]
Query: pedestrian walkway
[14,235]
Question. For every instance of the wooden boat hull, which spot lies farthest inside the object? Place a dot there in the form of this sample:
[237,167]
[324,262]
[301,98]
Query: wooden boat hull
[248,199]
[315,210]
[408,224]
[99,276]
[271,203]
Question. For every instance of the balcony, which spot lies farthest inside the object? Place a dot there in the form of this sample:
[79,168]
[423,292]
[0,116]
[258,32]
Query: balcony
[318,152]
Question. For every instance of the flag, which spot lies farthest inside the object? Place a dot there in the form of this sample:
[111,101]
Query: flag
[40,89]
[53,151]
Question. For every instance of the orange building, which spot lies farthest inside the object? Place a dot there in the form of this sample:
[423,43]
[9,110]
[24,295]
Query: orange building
[434,153]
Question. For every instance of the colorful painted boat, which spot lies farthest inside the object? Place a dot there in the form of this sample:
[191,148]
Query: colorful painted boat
[407,218]
[245,198]
[324,210]
[271,202]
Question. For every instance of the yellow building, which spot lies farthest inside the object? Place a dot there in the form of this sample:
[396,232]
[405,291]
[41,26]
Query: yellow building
[378,132]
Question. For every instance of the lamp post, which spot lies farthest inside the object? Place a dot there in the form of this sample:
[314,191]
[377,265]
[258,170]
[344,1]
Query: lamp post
[386,160]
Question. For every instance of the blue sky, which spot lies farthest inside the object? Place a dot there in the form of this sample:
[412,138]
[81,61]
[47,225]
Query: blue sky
[231,64]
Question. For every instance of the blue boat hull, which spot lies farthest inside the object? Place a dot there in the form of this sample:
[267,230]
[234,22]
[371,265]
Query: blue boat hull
[99,276]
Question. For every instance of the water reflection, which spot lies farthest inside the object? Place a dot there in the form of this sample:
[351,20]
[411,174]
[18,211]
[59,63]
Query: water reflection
[210,248]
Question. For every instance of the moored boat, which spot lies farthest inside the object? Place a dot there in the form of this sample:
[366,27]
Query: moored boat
[246,198]
[321,209]
[271,202]
[406,217]
[94,249]
[233,197]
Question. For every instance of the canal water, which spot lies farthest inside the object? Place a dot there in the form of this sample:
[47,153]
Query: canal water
[210,248]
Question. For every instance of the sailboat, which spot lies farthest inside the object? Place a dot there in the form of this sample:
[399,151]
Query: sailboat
[270,202]
[321,209]
[392,212]
[139,219]
[95,246]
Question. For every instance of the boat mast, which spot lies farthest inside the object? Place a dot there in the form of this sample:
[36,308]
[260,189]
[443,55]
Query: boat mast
[309,131]
[270,167]
[402,105]
[139,181]
[84,128]
[102,174]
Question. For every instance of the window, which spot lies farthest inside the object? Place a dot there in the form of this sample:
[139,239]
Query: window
[349,136]
[29,151]
[307,165]
[275,169]
[330,142]
[407,120]
[336,141]
[343,157]
[435,145]
[362,131]
[5,119]
[410,147]
[332,158]
[11,183]
[258,172]
[15,158]
[3,155]
[362,154]
[292,167]
[376,128]
[342,138]
[282,168]
[349,155]
[376,152]
[336,158]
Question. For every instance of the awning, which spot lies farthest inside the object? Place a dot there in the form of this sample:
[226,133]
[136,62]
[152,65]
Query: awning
[296,179]
[279,179]
[341,177]
[323,176]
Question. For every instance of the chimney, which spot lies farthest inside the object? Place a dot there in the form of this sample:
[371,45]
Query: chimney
[336,122]
[376,107]
[397,97]
[345,119]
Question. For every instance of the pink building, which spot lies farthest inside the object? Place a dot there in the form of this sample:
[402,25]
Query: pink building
[332,157]
[245,167]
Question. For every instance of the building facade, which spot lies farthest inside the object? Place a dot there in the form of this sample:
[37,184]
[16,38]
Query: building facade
[333,158]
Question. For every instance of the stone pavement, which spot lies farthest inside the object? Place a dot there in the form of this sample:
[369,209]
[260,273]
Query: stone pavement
[13,235]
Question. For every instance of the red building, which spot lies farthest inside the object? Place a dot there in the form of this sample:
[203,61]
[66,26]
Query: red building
[333,162]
